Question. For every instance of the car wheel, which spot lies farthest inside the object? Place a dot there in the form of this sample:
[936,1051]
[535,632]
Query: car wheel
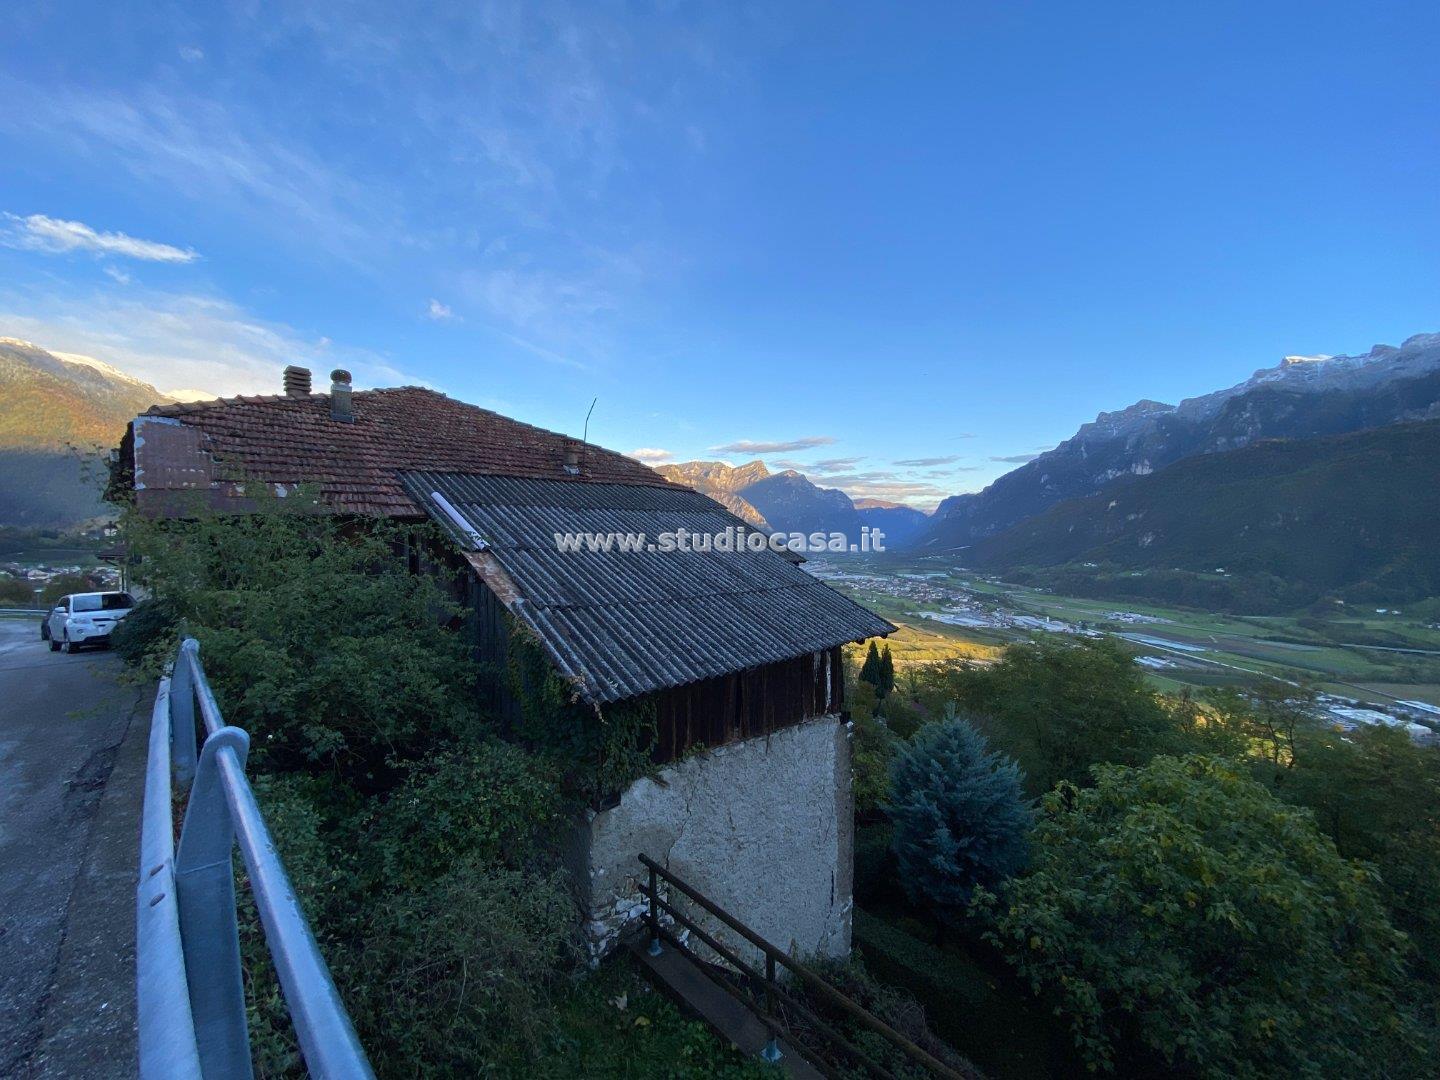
[54,645]
[67,646]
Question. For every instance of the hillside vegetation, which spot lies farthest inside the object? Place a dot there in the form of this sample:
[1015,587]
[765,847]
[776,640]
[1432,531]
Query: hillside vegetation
[1353,515]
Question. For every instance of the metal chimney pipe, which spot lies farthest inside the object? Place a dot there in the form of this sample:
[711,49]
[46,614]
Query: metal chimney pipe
[297,381]
[341,406]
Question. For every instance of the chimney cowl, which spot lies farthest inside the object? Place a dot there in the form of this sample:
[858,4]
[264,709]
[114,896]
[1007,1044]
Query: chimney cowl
[342,407]
[297,381]
[572,457]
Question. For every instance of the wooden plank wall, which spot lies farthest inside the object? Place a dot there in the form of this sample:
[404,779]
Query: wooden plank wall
[747,704]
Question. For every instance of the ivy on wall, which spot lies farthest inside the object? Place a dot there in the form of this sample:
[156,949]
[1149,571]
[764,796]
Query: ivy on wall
[601,751]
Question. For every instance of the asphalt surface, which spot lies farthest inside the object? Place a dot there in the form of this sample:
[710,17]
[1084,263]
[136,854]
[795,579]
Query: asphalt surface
[70,789]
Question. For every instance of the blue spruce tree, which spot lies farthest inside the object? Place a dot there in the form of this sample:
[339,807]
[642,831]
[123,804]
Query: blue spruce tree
[960,815]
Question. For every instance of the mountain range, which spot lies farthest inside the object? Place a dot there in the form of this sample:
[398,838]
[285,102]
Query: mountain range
[1273,525]
[789,502]
[57,411]
[1303,397]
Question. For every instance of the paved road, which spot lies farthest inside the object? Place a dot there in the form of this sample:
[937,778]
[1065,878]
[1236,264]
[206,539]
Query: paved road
[67,849]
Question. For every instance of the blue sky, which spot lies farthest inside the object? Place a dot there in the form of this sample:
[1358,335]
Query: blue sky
[917,241]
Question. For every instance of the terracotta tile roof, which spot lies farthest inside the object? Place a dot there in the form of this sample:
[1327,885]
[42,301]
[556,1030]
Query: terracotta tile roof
[291,440]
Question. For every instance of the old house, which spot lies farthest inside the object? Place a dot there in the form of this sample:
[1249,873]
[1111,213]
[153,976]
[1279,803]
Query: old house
[729,659]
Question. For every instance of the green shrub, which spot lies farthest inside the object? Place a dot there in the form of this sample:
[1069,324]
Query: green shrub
[148,635]
[870,753]
[16,593]
[960,815]
[315,636]
[896,1007]
[1183,907]
[450,972]
[491,801]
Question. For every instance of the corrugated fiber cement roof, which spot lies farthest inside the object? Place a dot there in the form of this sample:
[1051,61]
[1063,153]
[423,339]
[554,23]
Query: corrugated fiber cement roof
[628,623]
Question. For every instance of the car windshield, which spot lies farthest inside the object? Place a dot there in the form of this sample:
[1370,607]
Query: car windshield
[101,602]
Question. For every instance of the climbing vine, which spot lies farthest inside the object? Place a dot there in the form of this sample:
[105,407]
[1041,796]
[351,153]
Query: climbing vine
[601,750]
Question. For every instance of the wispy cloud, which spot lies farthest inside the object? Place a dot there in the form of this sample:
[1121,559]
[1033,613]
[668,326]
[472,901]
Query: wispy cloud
[37,232]
[651,455]
[118,275]
[438,312]
[926,462]
[204,150]
[1014,459]
[789,446]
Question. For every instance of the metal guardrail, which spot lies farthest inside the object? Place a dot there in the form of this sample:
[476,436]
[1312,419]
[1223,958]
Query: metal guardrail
[771,990]
[189,988]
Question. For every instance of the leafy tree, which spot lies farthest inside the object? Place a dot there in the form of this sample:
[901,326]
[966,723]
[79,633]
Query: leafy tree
[959,813]
[870,669]
[1183,912]
[1062,705]
[1267,717]
[886,673]
[1377,796]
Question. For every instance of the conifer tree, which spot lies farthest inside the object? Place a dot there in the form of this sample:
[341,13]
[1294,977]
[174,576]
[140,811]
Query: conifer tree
[870,669]
[960,814]
[887,673]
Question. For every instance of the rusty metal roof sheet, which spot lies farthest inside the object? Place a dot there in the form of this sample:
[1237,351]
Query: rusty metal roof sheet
[621,624]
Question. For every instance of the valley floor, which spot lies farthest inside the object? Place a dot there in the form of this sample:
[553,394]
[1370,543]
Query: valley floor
[1366,665]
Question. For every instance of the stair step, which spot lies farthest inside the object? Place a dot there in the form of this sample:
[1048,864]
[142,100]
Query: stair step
[685,982]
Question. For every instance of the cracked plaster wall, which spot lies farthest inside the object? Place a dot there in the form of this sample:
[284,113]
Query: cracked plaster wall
[764,828]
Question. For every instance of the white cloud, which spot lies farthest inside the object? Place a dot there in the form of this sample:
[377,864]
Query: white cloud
[789,446]
[651,455]
[925,462]
[192,53]
[118,275]
[184,340]
[438,312]
[37,232]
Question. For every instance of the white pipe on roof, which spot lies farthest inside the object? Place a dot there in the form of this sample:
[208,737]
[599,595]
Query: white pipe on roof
[460,523]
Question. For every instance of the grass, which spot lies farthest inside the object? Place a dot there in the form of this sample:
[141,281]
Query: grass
[917,645]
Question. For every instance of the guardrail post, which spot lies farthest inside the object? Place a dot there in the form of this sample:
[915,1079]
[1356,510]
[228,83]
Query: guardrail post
[655,947]
[182,714]
[205,889]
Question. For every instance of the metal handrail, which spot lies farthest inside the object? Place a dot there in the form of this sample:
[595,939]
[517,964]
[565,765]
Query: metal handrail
[189,985]
[773,956]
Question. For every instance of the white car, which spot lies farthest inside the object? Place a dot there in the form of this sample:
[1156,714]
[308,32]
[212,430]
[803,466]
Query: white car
[86,618]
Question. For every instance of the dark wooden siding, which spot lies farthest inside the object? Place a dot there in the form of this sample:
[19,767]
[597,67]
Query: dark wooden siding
[747,704]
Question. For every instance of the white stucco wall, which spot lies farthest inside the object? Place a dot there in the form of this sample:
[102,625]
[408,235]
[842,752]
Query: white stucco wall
[764,828]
